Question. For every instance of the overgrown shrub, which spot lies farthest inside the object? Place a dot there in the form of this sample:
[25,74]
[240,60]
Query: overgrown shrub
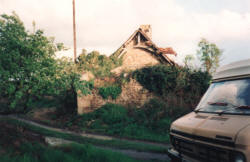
[157,114]
[159,79]
[112,113]
[156,109]
[110,91]
[179,86]
[110,118]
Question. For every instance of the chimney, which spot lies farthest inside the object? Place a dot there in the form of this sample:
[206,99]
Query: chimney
[147,30]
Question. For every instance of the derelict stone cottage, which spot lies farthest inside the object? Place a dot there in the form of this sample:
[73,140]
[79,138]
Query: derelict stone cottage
[139,51]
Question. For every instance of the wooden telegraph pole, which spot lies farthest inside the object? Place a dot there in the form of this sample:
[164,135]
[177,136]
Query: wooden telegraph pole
[74,30]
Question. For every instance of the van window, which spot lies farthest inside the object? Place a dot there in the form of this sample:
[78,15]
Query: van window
[232,97]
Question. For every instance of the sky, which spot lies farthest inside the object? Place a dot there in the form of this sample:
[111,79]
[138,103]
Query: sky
[104,25]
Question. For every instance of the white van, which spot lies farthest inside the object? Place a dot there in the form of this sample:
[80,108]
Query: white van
[218,130]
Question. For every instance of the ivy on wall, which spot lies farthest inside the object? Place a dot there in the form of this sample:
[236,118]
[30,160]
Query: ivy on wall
[110,91]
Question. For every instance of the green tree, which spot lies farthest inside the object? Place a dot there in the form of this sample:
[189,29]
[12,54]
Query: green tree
[209,55]
[28,70]
[188,60]
[99,65]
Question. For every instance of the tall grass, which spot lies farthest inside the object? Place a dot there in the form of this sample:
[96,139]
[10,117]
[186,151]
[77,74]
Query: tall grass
[29,152]
[150,122]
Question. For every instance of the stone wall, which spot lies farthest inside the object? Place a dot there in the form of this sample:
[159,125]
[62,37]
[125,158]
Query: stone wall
[136,58]
[133,94]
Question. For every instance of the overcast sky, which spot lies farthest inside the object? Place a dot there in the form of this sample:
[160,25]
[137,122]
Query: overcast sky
[104,25]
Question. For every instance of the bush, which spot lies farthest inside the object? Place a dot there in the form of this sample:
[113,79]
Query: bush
[178,86]
[157,115]
[113,91]
[159,79]
[162,79]
[112,113]
[108,114]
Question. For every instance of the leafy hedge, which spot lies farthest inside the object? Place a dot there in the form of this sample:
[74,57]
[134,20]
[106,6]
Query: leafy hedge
[162,79]
[177,83]
[159,79]
[110,91]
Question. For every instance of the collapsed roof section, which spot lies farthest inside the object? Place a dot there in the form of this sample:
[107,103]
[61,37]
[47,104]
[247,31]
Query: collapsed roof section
[143,40]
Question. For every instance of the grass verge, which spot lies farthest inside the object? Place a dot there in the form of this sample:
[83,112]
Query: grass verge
[151,122]
[35,152]
[84,140]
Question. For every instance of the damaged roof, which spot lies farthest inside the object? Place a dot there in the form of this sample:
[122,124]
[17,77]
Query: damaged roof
[163,52]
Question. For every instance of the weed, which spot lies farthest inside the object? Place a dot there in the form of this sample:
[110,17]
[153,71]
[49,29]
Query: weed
[113,91]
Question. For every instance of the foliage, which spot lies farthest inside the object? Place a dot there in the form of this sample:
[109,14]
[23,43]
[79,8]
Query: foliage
[150,122]
[45,102]
[195,80]
[36,152]
[179,86]
[188,61]
[28,70]
[115,143]
[99,65]
[162,79]
[66,84]
[124,77]
[178,89]
[159,79]
[113,91]
[158,115]
[209,55]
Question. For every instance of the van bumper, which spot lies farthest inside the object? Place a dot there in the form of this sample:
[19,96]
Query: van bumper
[176,157]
